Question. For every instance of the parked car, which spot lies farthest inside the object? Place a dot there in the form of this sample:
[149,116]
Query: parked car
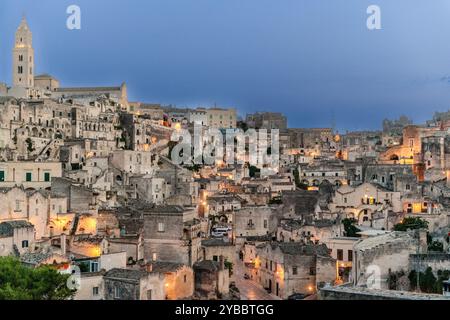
[297,296]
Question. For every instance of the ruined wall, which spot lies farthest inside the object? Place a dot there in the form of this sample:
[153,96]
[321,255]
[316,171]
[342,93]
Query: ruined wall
[127,290]
[437,261]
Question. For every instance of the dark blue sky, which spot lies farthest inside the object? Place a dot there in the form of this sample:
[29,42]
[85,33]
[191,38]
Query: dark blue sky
[307,58]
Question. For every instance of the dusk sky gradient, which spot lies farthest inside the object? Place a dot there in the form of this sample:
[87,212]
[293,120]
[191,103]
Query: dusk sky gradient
[307,58]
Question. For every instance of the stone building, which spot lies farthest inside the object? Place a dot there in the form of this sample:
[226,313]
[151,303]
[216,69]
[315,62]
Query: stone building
[266,120]
[385,254]
[363,201]
[310,137]
[220,118]
[171,234]
[255,221]
[213,249]
[212,279]
[34,175]
[16,237]
[288,268]
[178,279]
[127,284]
[386,175]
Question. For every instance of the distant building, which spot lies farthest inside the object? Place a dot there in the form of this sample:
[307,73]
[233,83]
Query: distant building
[267,120]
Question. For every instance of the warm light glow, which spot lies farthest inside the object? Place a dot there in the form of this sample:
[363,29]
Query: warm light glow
[178,126]
[95,251]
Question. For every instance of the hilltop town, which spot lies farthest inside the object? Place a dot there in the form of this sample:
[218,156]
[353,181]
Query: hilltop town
[89,186]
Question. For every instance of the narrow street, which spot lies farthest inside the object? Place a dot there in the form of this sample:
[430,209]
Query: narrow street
[249,289]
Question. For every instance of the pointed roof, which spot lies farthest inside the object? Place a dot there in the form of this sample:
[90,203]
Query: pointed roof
[24,24]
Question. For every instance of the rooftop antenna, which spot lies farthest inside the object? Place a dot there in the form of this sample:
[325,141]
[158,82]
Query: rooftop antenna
[333,121]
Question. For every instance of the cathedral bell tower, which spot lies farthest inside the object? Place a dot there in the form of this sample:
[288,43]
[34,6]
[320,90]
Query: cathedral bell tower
[23,57]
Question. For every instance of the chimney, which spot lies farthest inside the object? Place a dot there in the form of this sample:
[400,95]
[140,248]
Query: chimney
[221,263]
[63,244]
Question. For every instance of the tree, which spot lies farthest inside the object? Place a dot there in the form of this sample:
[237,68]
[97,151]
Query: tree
[411,223]
[298,183]
[349,227]
[436,246]
[229,266]
[29,143]
[427,281]
[253,171]
[18,282]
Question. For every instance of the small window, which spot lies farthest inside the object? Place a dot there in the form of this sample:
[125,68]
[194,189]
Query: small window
[161,227]
[294,270]
[185,278]
[28,177]
[340,254]
[95,291]
[25,244]
[94,266]
[116,292]
[350,255]
[2,175]
[47,176]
